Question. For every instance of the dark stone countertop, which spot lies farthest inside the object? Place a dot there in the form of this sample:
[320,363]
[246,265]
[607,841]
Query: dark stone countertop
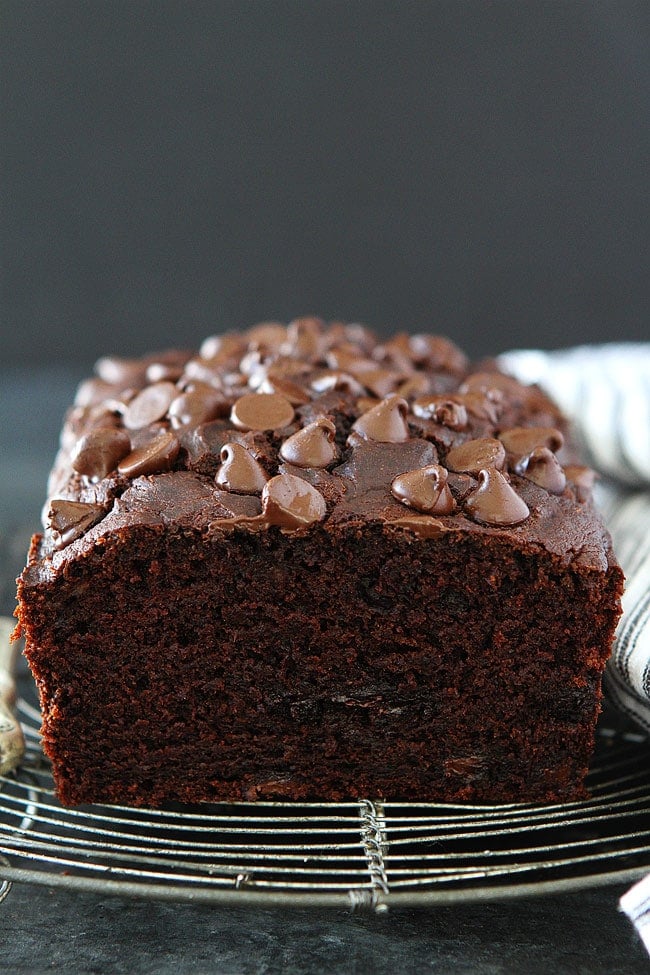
[55,930]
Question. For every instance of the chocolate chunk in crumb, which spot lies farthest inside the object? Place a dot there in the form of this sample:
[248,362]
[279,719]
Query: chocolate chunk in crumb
[495,501]
[262,411]
[313,446]
[425,489]
[98,453]
[239,471]
[154,457]
[290,502]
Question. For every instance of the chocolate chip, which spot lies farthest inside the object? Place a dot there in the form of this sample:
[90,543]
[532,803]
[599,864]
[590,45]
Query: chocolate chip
[69,520]
[313,446]
[262,411]
[198,405]
[221,348]
[153,457]
[93,391]
[490,382]
[425,490]
[396,354]
[346,358]
[164,372]
[290,502]
[521,441]
[495,502]
[474,455]
[267,335]
[381,382]
[330,379]
[437,352]
[254,366]
[304,338]
[484,406]
[385,422]
[121,372]
[239,471]
[291,391]
[149,405]
[98,453]
[542,467]
[447,412]
[416,385]
[95,417]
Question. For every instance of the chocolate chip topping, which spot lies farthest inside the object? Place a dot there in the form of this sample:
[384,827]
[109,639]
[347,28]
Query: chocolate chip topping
[199,405]
[69,520]
[239,471]
[425,490]
[473,456]
[121,372]
[262,411]
[149,405]
[304,338]
[271,412]
[267,335]
[520,441]
[380,382]
[494,501]
[153,457]
[542,467]
[448,412]
[291,391]
[98,452]
[290,502]
[385,422]
[164,372]
[313,446]
[328,379]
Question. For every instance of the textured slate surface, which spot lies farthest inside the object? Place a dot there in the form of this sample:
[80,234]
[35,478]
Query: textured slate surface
[580,934]
[45,930]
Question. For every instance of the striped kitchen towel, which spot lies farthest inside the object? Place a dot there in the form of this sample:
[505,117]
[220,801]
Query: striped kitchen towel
[605,390]
[636,904]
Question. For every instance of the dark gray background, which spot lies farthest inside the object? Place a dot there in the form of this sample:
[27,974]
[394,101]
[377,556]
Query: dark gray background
[172,169]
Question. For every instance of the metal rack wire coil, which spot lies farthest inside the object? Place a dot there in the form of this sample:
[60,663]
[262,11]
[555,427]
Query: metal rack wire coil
[363,854]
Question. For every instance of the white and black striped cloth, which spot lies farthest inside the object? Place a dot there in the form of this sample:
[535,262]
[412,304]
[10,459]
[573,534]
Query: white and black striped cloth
[605,391]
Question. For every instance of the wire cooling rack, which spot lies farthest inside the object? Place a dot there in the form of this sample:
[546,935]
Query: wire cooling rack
[363,854]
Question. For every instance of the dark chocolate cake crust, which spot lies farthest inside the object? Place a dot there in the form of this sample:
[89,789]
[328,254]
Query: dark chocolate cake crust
[303,563]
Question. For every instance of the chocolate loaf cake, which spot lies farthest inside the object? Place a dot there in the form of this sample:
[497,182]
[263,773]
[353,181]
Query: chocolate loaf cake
[306,563]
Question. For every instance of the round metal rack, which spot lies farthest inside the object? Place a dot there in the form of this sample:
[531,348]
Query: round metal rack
[364,854]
